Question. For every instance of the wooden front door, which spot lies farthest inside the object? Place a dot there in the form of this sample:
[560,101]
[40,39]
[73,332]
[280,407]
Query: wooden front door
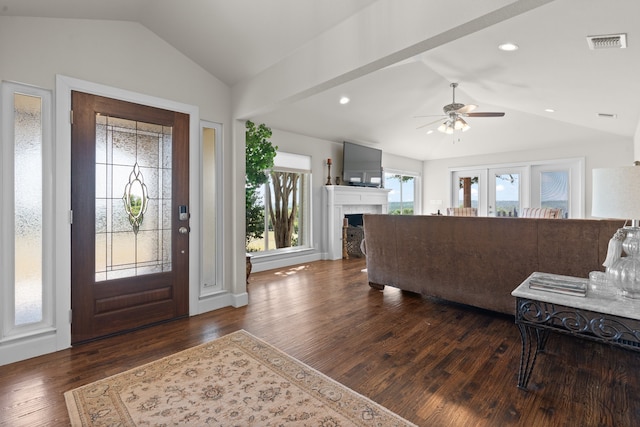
[129,245]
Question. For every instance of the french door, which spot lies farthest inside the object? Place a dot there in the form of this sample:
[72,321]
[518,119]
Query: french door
[130,220]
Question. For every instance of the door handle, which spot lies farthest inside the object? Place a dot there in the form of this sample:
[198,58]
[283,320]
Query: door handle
[183,230]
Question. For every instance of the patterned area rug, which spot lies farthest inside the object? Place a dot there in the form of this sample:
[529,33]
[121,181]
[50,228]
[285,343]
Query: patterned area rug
[236,380]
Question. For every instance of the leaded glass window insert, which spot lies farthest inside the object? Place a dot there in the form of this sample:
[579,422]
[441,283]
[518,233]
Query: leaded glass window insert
[133,198]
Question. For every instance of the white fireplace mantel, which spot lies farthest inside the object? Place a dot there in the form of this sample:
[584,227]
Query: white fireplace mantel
[340,200]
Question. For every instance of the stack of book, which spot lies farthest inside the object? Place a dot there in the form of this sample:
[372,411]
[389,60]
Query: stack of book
[559,285]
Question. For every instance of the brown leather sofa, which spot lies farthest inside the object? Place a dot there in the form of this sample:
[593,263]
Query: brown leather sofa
[478,261]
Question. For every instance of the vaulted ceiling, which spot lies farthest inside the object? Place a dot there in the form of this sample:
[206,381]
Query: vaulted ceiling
[397,73]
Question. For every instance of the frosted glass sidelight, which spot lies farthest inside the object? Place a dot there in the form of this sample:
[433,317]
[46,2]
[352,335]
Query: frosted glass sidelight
[208,235]
[133,198]
[28,208]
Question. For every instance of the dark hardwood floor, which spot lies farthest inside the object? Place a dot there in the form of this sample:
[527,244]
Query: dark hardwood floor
[435,364]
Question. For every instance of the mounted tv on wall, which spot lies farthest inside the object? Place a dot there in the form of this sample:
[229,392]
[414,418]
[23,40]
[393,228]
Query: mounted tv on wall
[361,165]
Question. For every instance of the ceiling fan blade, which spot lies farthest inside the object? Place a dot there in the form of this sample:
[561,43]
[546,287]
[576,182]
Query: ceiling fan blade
[430,123]
[484,114]
[431,115]
[466,109]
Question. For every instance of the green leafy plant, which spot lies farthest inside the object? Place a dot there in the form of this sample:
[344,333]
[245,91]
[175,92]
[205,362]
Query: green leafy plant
[260,154]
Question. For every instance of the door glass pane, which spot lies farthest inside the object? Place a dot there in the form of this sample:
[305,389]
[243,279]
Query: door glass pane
[507,194]
[468,192]
[554,191]
[133,198]
[28,208]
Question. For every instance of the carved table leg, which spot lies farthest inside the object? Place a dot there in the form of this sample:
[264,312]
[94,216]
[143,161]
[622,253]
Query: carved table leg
[530,351]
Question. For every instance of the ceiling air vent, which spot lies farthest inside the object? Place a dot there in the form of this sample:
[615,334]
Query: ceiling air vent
[607,115]
[609,41]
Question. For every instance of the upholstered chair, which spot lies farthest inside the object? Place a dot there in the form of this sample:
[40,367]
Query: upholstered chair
[541,213]
[462,211]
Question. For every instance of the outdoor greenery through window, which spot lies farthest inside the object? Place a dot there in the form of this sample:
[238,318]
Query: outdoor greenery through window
[402,194]
[285,201]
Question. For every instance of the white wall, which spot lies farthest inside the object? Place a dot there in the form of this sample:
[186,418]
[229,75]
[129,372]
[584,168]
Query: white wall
[128,57]
[597,153]
[401,164]
[636,144]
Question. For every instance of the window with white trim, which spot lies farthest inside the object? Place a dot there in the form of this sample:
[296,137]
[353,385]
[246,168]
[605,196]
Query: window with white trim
[402,196]
[286,199]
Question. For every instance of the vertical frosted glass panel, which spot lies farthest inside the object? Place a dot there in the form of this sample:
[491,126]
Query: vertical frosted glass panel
[136,154]
[208,206]
[554,190]
[28,208]
[507,194]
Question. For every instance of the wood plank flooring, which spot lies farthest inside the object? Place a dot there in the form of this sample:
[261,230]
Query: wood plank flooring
[434,363]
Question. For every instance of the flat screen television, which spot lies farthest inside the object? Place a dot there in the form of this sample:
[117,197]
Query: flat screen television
[361,165]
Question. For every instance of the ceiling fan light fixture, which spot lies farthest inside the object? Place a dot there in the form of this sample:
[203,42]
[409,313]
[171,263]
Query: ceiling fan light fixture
[443,127]
[460,124]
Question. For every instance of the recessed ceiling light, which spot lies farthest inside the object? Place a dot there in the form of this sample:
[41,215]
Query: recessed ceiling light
[549,110]
[508,47]
[344,100]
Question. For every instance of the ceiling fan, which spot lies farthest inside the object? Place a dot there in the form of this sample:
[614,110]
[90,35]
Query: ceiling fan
[454,114]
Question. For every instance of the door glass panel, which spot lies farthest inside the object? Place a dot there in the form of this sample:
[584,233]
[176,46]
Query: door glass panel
[133,198]
[28,208]
[507,194]
[468,192]
[554,190]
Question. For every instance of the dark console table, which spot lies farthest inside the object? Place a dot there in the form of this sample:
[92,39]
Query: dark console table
[601,315]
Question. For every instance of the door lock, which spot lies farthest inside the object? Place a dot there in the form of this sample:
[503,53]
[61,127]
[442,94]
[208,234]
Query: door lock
[183,213]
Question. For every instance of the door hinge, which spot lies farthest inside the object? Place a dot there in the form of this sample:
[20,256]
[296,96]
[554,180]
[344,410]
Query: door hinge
[71,116]
[71,217]
[70,316]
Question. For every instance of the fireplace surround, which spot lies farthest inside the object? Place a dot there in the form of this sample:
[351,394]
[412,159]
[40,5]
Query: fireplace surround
[340,200]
